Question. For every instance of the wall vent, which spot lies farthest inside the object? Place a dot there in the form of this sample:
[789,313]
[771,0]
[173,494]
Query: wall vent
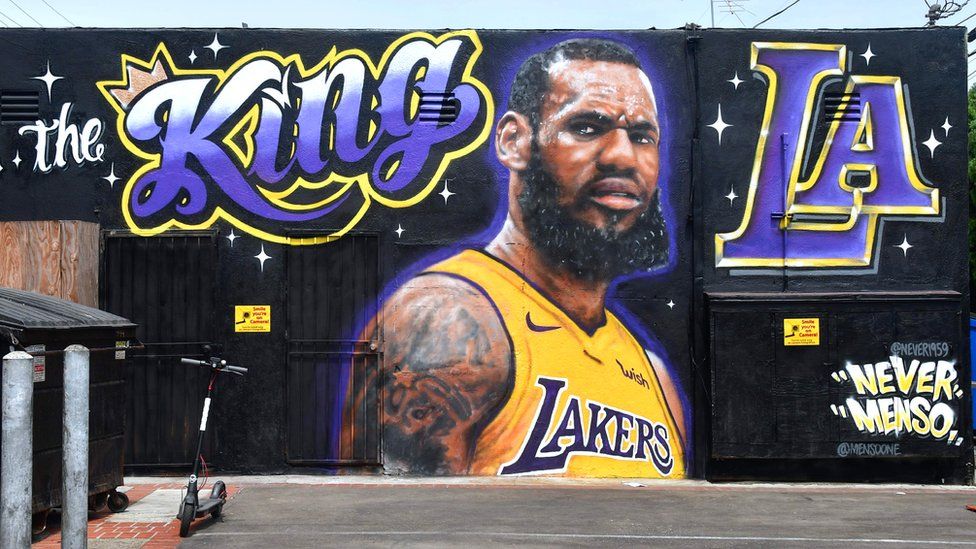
[19,106]
[438,108]
[843,107]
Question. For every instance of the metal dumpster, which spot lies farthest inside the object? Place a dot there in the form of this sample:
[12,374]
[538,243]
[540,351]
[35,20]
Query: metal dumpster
[40,324]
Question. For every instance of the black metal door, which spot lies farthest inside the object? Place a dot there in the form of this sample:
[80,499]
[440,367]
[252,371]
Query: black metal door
[332,293]
[165,284]
[776,398]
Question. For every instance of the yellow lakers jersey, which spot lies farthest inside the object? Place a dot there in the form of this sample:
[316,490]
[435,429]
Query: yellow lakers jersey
[583,404]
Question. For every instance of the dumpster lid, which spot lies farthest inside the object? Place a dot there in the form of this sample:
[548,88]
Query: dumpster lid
[20,310]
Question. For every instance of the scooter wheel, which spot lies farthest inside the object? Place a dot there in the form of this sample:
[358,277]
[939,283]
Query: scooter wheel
[117,502]
[215,513]
[187,513]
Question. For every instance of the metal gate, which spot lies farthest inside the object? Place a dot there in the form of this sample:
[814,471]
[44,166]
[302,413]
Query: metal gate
[165,284]
[332,370]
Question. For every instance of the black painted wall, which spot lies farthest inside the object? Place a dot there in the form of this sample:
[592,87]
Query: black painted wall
[694,73]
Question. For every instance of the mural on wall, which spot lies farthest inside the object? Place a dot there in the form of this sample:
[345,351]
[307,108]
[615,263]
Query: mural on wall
[822,208]
[269,141]
[505,359]
[511,232]
[910,394]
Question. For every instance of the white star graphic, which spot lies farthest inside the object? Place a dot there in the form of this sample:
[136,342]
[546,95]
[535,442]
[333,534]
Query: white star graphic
[670,304]
[446,193]
[193,56]
[947,126]
[905,246]
[932,143]
[48,78]
[232,237]
[719,125]
[111,177]
[735,81]
[867,55]
[262,257]
[731,196]
[215,46]
[16,159]
[399,230]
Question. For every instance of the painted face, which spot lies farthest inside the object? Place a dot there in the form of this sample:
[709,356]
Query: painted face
[598,138]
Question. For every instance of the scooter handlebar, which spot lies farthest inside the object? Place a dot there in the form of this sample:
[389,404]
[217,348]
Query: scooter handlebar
[239,370]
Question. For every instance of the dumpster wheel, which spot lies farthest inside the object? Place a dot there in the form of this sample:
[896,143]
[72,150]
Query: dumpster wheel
[117,501]
[39,522]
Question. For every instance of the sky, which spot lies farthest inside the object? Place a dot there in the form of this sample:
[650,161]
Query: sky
[436,14]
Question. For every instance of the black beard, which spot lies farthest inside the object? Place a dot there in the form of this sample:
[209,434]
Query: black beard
[588,252]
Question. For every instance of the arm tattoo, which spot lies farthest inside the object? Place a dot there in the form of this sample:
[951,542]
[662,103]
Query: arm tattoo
[448,370]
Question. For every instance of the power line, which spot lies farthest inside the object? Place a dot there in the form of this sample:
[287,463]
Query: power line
[11,19]
[697,19]
[733,12]
[59,13]
[795,2]
[966,19]
[27,14]
[729,7]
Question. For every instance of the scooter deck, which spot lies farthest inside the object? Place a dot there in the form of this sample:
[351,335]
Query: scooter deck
[208,505]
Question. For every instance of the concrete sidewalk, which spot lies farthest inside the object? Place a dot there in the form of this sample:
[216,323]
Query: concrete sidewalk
[376,511]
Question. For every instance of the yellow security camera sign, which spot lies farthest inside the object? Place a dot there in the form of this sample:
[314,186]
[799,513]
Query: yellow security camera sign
[252,318]
[801,331]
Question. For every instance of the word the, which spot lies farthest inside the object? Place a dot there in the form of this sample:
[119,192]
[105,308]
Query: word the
[82,144]
[636,438]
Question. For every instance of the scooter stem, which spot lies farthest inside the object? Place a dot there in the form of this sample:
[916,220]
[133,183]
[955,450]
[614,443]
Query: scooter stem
[203,426]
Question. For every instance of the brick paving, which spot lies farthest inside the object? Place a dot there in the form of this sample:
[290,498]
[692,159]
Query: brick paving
[156,535]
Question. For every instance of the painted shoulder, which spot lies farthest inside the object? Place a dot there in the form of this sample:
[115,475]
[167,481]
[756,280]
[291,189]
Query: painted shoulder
[445,317]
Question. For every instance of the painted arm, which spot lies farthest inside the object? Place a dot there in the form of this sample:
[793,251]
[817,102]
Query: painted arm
[672,398]
[448,369]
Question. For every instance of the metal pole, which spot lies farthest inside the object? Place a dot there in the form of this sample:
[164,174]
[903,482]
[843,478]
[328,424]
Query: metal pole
[16,450]
[74,480]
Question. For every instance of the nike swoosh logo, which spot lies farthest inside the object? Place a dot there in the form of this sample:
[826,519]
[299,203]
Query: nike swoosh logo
[535,327]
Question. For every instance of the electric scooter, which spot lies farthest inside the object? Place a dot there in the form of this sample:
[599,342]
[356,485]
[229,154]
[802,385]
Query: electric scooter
[191,507]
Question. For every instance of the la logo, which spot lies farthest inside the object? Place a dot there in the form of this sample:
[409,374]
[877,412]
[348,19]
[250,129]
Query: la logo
[829,202]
